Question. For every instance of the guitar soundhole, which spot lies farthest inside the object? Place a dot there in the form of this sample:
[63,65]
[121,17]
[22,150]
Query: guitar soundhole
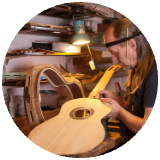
[81,113]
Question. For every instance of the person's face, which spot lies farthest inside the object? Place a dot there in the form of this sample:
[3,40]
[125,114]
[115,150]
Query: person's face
[119,53]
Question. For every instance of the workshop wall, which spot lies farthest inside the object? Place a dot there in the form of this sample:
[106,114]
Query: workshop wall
[24,41]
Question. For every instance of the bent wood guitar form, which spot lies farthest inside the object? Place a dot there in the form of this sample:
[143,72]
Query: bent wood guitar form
[77,128]
[32,85]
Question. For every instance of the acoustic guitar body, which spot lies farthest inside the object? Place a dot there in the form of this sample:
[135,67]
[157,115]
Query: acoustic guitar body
[77,128]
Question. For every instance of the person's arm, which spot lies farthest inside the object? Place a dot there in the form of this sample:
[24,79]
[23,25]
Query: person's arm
[133,122]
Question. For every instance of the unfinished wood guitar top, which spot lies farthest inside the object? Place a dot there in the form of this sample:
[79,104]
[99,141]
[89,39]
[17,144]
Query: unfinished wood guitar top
[77,128]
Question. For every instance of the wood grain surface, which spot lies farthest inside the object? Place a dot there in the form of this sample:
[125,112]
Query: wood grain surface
[69,133]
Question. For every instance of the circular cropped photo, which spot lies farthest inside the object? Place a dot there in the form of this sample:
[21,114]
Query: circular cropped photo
[80,80]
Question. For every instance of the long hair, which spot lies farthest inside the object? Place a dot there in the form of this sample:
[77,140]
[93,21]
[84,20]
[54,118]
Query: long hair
[144,51]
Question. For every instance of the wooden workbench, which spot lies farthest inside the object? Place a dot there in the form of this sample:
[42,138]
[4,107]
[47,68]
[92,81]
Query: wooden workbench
[108,144]
[113,139]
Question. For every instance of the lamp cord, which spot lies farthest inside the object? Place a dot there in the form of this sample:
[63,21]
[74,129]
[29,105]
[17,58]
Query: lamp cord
[89,51]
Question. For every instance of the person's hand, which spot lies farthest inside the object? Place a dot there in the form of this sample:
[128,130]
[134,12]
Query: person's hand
[115,107]
[109,94]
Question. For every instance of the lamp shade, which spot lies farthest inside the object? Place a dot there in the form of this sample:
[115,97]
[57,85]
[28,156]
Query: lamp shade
[80,37]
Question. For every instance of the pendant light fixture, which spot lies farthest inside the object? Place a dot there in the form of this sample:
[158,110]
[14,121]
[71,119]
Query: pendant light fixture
[80,36]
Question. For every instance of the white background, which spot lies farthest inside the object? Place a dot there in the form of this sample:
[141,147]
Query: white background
[14,14]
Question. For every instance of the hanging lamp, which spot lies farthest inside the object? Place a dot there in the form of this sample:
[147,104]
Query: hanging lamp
[80,36]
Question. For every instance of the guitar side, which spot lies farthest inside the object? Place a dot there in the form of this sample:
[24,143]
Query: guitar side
[32,84]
